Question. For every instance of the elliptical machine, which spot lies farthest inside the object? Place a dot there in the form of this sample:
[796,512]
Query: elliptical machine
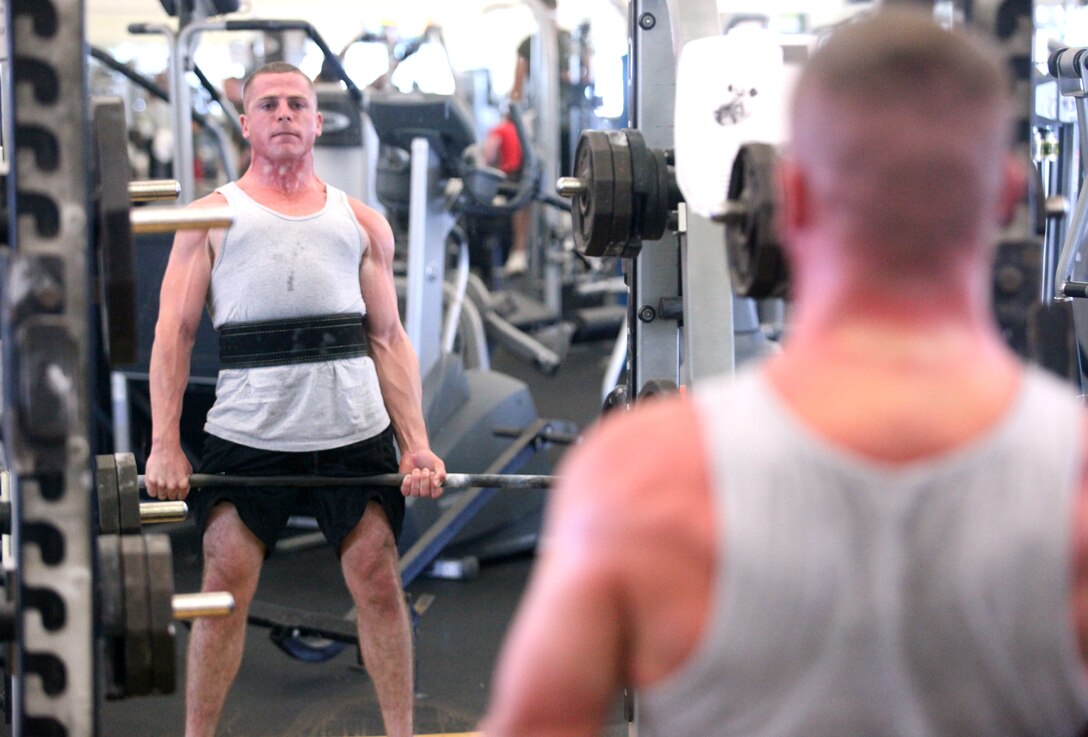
[426,176]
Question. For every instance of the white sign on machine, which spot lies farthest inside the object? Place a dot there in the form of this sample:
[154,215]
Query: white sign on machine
[730,90]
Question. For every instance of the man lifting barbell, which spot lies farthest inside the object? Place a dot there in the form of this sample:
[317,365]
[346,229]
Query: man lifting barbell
[879,531]
[316,377]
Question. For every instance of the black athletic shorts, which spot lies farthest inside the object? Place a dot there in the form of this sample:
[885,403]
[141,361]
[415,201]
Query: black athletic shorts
[265,510]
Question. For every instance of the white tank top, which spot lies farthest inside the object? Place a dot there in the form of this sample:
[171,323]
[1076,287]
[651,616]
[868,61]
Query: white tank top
[860,598]
[274,266]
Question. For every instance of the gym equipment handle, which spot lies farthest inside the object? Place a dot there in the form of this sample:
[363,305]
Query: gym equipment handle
[208,604]
[154,190]
[1075,289]
[453,481]
[152,513]
[170,219]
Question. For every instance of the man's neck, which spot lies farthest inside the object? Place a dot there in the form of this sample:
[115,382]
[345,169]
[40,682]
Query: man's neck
[288,178]
[839,287]
[895,369]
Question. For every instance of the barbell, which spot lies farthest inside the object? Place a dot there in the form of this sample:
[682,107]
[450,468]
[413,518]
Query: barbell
[623,192]
[135,603]
[119,508]
[453,481]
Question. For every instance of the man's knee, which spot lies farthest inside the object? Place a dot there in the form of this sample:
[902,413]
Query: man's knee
[232,554]
[369,559]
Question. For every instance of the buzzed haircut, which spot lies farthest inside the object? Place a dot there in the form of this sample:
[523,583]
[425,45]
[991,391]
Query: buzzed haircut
[904,127]
[274,67]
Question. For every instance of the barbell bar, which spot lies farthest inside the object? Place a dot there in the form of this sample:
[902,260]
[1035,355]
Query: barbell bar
[151,513]
[570,187]
[171,219]
[187,607]
[158,513]
[153,190]
[453,481]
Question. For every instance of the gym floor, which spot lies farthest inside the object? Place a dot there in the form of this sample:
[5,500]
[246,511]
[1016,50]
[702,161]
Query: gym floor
[457,638]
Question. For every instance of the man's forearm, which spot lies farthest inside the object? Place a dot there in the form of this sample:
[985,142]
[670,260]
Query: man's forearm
[398,377]
[169,377]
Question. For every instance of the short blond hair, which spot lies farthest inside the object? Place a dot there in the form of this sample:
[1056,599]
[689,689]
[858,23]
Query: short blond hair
[274,67]
[904,127]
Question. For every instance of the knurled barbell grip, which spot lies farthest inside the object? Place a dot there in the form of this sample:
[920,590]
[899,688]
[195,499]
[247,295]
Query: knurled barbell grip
[206,604]
[170,219]
[453,481]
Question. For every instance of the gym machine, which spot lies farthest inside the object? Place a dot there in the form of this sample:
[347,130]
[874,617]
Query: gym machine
[683,324]
[463,408]
[691,299]
[1062,182]
[425,178]
[87,612]
[626,203]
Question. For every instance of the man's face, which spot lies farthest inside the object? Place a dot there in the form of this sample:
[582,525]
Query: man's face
[281,120]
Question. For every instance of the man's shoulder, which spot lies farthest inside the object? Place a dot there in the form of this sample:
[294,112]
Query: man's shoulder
[212,199]
[656,445]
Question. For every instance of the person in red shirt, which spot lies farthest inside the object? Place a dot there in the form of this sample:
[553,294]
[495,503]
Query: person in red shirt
[502,149]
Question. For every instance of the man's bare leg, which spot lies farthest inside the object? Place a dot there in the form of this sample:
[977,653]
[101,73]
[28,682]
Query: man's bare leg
[369,561]
[232,562]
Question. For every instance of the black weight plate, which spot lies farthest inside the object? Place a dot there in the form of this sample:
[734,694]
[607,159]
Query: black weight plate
[592,210]
[111,612]
[160,582]
[128,493]
[656,218]
[756,262]
[113,231]
[581,205]
[623,194]
[109,510]
[641,166]
[138,681]
[602,190]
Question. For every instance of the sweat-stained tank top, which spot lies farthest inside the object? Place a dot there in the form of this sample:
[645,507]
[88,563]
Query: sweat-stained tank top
[859,598]
[273,266]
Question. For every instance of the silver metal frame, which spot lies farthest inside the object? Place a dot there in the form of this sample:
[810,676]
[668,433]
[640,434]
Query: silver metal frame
[691,267]
[46,423]
[429,224]
[692,264]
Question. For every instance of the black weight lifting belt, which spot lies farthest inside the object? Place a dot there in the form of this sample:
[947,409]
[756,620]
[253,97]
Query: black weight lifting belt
[297,340]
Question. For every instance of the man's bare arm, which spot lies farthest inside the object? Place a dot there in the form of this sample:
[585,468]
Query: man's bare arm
[395,360]
[181,304]
[569,650]
[620,594]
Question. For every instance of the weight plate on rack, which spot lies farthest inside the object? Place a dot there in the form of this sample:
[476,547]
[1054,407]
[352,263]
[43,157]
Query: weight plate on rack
[137,640]
[160,583]
[128,493]
[109,512]
[756,262]
[592,209]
